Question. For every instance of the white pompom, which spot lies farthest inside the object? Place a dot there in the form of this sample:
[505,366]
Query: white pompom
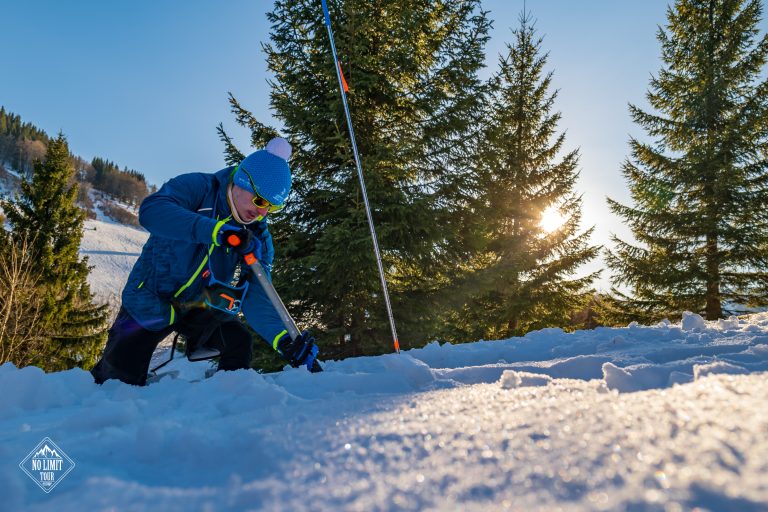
[280,147]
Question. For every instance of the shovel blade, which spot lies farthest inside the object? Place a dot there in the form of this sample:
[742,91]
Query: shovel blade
[203,353]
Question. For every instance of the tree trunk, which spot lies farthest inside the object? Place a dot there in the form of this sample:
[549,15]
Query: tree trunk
[512,325]
[713,307]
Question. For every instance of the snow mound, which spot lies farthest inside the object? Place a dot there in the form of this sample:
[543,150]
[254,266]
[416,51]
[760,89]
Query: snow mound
[731,323]
[692,321]
[636,377]
[511,379]
[617,343]
[387,374]
[34,390]
[717,368]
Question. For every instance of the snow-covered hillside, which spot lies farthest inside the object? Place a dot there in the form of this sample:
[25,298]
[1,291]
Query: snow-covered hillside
[112,249]
[665,417]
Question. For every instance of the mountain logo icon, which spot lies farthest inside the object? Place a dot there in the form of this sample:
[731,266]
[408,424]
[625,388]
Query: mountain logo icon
[46,453]
[47,464]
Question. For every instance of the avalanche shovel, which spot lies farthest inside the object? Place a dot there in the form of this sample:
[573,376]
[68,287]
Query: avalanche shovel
[293,331]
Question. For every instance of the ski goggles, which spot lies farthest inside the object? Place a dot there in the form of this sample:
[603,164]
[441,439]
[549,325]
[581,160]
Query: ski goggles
[258,201]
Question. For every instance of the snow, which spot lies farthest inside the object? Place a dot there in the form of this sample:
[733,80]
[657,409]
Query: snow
[664,417]
[512,379]
[98,198]
[692,321]
[13,172]
[112,249]
[717,367]
[641,418]
[9,182]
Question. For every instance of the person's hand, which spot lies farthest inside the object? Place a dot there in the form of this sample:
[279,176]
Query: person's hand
[240,240]
[299,351]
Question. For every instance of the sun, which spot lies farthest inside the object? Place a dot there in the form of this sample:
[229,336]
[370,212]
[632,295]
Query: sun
[551,219]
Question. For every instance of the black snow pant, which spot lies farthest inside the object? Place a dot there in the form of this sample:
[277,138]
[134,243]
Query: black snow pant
[129,346]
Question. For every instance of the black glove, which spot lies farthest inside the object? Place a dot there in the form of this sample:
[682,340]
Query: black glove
[240,240]
[299,351]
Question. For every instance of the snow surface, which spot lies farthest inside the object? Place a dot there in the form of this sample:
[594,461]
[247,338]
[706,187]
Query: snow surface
[112,249]
[665,417]
[637,418]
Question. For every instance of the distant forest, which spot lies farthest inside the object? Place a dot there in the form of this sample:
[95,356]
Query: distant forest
[22,143]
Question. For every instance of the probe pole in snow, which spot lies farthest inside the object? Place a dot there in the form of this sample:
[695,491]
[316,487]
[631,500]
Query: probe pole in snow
[343,88]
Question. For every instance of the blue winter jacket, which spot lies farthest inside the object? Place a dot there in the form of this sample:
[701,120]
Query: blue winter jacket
[181,218]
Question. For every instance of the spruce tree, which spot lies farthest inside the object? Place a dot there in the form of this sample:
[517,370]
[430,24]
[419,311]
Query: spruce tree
[699,186]
[46,216]
[523,277]
[412,69]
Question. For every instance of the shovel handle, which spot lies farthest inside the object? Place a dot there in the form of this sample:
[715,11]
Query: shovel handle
[253,262]
[255,265]
[274,298]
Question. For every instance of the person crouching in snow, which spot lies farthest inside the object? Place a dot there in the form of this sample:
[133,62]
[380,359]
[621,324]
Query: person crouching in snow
[191,280]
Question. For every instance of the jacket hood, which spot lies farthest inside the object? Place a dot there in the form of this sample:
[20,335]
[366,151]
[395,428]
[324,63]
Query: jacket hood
[223,179]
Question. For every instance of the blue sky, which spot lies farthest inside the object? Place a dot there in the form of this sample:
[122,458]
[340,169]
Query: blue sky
[144,83]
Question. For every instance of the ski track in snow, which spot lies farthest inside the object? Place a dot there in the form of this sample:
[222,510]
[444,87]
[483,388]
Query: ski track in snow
[665,417]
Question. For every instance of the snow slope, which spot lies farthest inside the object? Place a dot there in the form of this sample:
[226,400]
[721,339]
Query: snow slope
[667,417]
[112,249]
